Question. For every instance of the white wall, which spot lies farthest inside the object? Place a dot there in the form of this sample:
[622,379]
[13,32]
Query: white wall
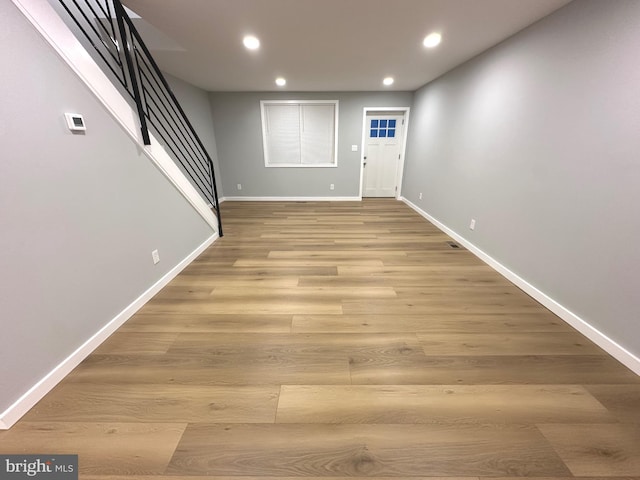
[79,213]
[538,139]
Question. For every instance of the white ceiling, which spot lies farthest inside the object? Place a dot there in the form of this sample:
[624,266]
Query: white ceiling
[325,45]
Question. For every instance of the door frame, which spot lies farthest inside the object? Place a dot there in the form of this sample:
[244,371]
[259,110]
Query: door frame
[388,110]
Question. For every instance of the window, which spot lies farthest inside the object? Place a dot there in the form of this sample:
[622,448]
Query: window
[300,133]
[383,128]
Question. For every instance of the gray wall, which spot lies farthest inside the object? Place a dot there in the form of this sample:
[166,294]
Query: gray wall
[79,214]
[193,100]
[538,139]
[195,103]
[238,127]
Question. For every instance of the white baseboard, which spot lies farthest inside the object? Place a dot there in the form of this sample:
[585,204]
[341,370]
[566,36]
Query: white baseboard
[617,351]
[290,199]
[21,406]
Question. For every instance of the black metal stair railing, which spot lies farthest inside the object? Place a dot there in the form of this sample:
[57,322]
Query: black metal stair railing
[105,27]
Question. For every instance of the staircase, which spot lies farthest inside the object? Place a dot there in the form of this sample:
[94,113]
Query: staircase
[101,43]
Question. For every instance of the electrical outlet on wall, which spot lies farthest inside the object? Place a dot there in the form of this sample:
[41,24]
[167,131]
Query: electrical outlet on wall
[239,186]
[332,187]
[472,225]
[420,196]
[156,256]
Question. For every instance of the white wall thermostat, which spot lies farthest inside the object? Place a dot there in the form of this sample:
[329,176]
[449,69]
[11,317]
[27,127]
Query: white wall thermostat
[75,122]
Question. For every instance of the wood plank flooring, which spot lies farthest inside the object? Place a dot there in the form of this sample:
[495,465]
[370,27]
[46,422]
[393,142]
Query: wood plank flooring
[340,340]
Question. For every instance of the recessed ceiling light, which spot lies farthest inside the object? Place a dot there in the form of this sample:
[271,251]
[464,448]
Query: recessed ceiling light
[251,42]
[388,81]
[281,82]
[432,40]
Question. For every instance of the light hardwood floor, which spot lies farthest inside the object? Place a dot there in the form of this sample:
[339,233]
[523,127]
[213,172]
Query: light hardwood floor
[343,340]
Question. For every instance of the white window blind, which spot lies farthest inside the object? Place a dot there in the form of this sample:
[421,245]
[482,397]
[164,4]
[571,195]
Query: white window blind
[299,133]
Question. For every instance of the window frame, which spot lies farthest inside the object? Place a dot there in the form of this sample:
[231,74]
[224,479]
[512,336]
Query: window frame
[264,105]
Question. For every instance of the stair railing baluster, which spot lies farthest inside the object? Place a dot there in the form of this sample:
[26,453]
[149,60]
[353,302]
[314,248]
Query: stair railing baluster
[133,77]
[180,138]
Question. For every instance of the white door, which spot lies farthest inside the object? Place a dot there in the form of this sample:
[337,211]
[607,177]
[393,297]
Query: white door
[383,147]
